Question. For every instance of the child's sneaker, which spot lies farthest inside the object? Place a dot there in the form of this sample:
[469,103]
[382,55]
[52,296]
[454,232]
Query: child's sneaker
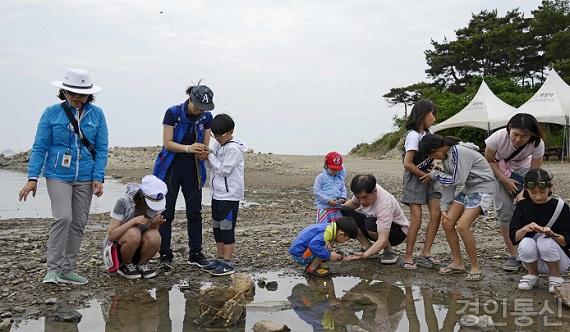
[528,282]
[319,271]
[51,278]
[146,271]
[222,269]
[197,259]
[129,271]
[553,283]
[388,257]
[72,278]
[212,265]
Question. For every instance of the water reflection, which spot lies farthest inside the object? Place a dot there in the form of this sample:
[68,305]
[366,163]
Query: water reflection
[370,305]
[305,304]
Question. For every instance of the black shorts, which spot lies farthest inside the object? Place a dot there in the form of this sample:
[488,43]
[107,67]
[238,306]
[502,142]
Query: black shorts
[225,210]
[368,224]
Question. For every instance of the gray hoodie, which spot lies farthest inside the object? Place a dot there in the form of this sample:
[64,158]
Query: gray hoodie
[466,166]
[227,164]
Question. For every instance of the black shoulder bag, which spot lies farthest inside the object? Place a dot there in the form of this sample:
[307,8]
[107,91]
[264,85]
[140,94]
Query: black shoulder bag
[75,125]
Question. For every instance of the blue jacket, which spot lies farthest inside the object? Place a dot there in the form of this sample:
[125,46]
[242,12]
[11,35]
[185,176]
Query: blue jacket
[328,187]
[55,138]
[165,157]
[314,237]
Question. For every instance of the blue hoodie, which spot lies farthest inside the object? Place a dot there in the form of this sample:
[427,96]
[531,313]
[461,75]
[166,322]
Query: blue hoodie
[314,237]
[55,138]
[328,187]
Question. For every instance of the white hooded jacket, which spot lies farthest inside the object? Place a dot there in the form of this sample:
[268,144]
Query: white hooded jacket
[227,165]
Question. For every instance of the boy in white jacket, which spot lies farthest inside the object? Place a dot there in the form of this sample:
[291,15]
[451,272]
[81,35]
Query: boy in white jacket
[226,162]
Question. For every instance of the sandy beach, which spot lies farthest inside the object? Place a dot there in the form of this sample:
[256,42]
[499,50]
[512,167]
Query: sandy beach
[280,186]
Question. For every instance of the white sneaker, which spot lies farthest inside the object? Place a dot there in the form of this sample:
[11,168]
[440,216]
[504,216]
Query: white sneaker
[528,282]
[553,283]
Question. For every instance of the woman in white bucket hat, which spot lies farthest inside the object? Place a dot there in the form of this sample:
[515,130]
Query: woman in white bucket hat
[70,150]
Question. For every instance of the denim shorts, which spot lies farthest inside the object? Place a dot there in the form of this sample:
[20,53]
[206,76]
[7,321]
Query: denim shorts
[473,200]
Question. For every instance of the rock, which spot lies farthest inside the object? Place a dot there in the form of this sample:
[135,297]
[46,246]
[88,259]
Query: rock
[269,326]
[482,322]
[66,314]
[51,300]
[271,286]
[269,306]
[225,306]
[6,314]
[5,324]
[563,293]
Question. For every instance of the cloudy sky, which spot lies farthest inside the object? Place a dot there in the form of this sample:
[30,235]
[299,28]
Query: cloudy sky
[299,77]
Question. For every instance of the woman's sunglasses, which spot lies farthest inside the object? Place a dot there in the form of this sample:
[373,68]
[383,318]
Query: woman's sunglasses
[540,185]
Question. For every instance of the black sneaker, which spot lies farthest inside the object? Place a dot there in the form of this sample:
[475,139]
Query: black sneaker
[166,262]
[212,265]
[129,271]
[223,269]
[197,259]
[146,271]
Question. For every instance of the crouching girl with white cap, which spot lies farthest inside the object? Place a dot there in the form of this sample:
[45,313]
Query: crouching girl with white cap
[134,226]
[541,228]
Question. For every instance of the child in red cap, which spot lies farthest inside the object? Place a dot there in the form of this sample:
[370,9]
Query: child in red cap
[329,188]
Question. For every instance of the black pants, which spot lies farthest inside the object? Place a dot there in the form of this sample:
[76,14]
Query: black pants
[368,224]
[178,176]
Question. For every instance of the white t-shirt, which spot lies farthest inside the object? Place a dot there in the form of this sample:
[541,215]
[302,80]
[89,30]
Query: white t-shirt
[413,139]
[386,210]
[500,142]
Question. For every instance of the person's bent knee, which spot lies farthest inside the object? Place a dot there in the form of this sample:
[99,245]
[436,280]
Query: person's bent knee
[528,251]
[463,229]
[548,249]
[448,224]
[151,237]
[132,237]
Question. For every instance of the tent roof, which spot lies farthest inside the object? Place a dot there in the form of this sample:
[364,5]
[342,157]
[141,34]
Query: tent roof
[551,103]
[484,111]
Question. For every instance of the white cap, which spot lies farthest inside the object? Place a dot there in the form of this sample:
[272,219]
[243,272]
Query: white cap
[154,191]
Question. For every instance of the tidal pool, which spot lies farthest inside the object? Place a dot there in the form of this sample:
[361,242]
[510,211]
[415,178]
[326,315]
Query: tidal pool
[317,304]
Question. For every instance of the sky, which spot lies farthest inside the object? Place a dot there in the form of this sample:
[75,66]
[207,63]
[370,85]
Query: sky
[298,77]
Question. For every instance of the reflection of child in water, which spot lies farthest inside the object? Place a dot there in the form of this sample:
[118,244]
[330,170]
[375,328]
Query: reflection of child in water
[135,311]
[315,302]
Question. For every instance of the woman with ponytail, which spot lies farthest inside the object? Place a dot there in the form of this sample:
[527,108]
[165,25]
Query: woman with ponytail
[462,165]
[181,164]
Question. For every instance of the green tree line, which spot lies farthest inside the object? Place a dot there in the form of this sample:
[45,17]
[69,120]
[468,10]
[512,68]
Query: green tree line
[511,52]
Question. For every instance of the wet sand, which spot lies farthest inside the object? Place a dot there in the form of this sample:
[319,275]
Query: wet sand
[282,186]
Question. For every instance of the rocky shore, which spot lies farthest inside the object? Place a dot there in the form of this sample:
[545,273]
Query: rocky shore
[280,188]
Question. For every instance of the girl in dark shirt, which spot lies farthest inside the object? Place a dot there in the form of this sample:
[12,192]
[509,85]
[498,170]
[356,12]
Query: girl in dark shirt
[542,249]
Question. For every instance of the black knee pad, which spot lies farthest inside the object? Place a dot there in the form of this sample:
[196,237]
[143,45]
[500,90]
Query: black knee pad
[217,235]
[228,236]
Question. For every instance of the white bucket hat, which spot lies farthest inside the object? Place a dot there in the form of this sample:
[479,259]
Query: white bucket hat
[78,81]
[154,191]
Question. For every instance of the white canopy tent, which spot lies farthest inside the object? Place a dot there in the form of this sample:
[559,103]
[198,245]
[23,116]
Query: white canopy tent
[550,104]
[485,111]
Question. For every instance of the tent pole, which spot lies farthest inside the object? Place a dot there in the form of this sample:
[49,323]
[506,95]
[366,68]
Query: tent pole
[567,139]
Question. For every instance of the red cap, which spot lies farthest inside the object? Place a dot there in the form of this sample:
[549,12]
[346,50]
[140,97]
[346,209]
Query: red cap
[333,160]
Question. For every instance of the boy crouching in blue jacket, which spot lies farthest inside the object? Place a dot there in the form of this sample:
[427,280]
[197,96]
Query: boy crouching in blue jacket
[314,244]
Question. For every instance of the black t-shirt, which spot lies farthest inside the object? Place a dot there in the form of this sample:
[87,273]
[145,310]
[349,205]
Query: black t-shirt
[527,212]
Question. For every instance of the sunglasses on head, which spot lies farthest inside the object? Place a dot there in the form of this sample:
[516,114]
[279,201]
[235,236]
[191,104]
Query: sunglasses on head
[540,185]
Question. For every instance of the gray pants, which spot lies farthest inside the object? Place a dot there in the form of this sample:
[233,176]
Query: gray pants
[70,202]
[504,201]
